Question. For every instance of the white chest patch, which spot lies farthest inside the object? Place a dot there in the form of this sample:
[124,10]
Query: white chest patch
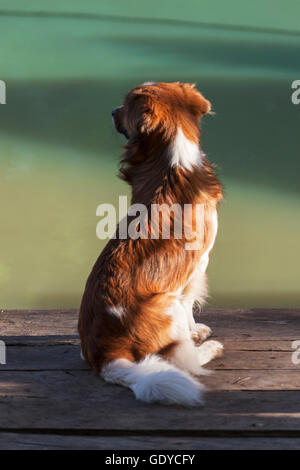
[184,152]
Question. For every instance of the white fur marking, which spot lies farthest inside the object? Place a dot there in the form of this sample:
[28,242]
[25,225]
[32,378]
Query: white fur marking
[179,326]
[154,380]
[209,351]
[198,278]
[185,153]
[117,311]
[185,354]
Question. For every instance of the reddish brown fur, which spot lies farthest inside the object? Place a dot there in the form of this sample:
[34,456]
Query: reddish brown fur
[139,275]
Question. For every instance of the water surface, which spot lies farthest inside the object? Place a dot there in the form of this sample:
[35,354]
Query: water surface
[59,153]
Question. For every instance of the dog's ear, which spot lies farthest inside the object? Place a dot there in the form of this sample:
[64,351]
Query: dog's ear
[195,101]
[145,113]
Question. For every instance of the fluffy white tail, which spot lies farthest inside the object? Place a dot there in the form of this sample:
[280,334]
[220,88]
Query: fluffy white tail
[155,380]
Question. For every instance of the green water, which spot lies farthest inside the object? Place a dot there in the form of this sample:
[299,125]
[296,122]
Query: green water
[59,153]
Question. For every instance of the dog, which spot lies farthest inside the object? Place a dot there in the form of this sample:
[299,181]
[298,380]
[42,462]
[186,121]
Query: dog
[136,319]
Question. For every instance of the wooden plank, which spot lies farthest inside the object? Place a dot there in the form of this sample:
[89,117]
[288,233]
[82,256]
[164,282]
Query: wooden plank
[253,380]
[40,323]
[16,383]
[229,344]
[34,341]
[258,360]
[255,324]
[25,441]
[79,400]
[95,415]
[66,357]
[253,311]
[256,345]
[58,357]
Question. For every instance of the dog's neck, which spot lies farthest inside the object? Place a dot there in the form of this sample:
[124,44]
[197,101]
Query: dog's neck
[173,172]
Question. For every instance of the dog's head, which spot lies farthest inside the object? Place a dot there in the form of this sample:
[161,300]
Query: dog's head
[161,108]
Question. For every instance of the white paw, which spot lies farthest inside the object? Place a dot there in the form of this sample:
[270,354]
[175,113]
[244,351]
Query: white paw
[200,332]
[209,351]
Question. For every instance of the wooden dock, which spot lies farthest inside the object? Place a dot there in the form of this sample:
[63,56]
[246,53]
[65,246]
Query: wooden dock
[49,398]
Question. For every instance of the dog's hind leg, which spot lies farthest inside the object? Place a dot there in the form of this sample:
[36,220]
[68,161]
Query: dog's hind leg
[184,353]
[185,356]
[196,292]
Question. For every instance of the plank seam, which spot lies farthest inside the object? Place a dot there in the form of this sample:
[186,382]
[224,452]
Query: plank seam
[159,433]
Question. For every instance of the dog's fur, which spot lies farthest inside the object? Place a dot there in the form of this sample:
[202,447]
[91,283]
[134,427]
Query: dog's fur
[136,322]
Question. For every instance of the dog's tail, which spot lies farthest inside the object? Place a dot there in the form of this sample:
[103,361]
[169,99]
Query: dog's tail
[155,380]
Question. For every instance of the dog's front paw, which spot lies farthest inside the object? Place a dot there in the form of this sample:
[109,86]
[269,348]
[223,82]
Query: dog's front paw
[209,351]
[200,333]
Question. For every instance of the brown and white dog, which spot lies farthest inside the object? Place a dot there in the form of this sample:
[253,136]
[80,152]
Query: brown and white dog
[136,318]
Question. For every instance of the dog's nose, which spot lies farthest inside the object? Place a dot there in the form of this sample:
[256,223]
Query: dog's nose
[116,109]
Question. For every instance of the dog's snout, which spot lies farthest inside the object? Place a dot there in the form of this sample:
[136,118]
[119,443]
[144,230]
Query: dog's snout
[117,118]
[116,109]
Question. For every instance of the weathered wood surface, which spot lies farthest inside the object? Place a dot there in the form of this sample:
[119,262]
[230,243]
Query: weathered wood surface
[47,357]
[50,399]
[17,441]
[256,324]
